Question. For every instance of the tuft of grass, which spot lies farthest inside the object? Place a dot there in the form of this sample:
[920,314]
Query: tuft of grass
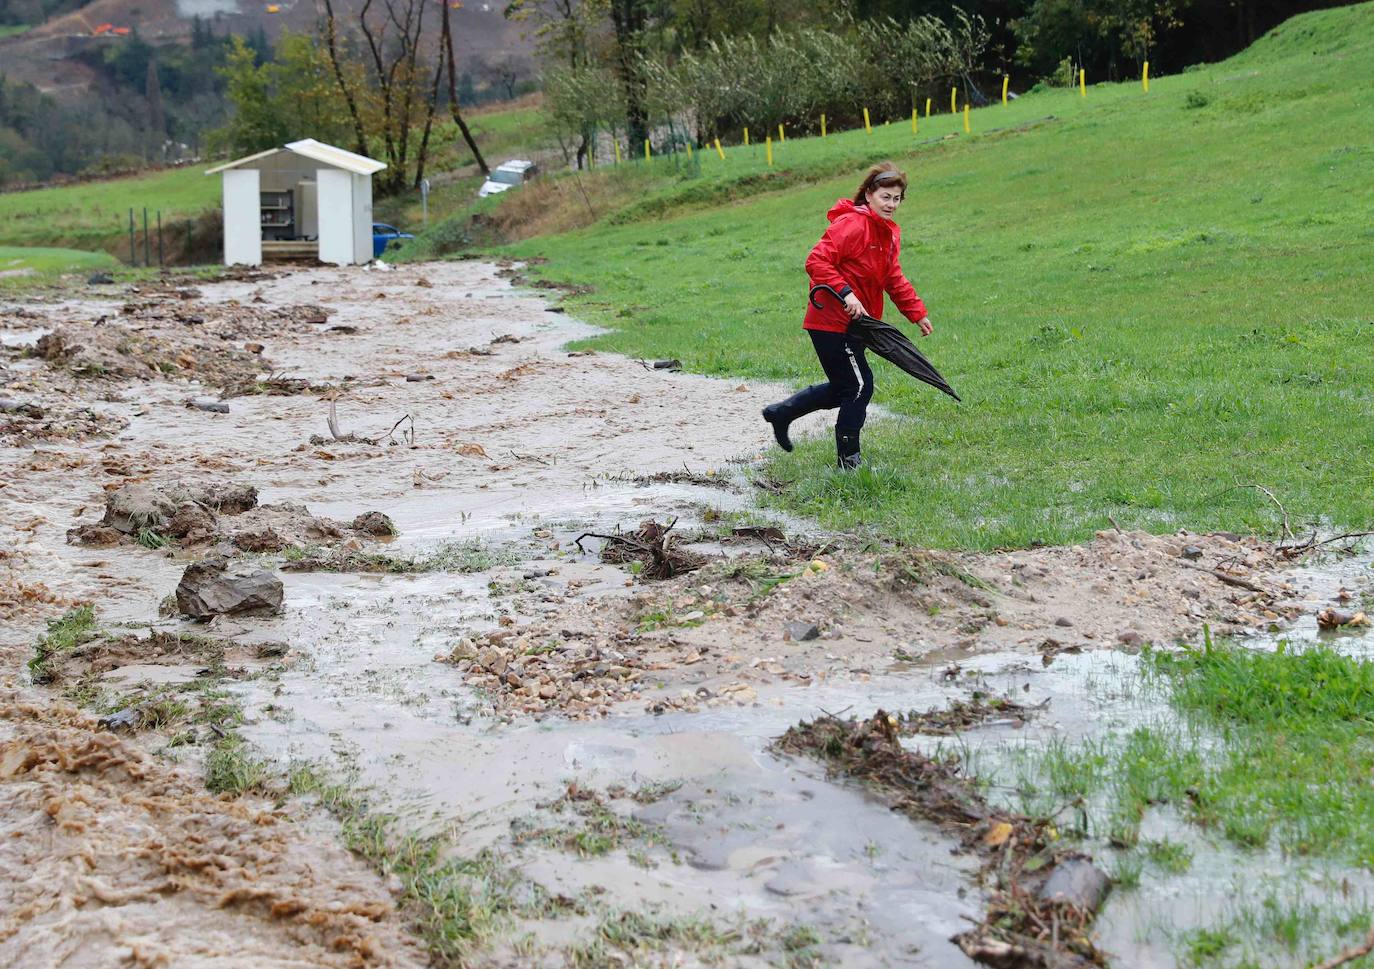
[150,538]
[639,937]
[65,633]
[458,903]
[231,769]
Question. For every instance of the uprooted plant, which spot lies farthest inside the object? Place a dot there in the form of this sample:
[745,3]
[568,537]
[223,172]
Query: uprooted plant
[652,546]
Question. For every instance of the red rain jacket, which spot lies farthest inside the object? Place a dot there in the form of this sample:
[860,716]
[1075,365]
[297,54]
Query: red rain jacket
[859,251]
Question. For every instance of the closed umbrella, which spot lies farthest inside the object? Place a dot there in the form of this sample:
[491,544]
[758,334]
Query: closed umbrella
[891,344]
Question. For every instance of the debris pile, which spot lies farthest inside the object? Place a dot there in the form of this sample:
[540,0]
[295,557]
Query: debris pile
[653,547]
[1043,896]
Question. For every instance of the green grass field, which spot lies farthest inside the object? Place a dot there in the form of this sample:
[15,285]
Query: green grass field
[21,263]
[1147,301]
[92,215]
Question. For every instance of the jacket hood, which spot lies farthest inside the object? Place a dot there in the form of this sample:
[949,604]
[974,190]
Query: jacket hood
[845,207]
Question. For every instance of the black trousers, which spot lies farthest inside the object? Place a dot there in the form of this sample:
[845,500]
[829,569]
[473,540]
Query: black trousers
[848,386]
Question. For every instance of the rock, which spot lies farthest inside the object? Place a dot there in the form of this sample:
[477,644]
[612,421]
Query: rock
[1130,638]
[192,523]
[137,506]
[274,649]
[209,406]
[254,347]
[143,505]
[1337,618]
[800,632]
[53,346]
[667,364]
[215,588]
[126,719]
[1078,882]
[99,279]
[1063,621]
[22,408]
[1191,552]
[94,536]
[375,523]
[415,378]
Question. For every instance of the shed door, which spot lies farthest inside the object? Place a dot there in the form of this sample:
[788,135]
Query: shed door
[336,216]
[242,218]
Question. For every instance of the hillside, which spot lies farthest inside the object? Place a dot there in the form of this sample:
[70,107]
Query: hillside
[43,55]
[1151,303]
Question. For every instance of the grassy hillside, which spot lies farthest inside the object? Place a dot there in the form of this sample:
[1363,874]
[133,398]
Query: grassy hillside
[1147,301]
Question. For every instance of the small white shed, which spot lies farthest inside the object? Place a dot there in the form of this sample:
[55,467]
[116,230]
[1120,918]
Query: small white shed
[303,199]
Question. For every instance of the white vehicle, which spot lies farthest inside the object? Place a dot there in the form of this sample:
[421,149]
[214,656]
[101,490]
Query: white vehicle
[506,176]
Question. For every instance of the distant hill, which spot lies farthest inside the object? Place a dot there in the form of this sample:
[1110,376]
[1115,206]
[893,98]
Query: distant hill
[45,55]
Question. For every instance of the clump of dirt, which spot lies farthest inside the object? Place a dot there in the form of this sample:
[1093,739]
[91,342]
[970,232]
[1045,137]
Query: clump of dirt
[1026,925]
[197,514]
[90,351]
[535,669]
[23,422]
[102,651]
[111,855]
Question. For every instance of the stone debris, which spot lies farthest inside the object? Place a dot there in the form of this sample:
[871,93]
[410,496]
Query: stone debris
[215,587]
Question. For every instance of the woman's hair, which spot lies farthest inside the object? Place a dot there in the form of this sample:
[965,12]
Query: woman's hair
[882,175]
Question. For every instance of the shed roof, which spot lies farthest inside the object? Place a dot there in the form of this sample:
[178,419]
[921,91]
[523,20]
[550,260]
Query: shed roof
[315,151]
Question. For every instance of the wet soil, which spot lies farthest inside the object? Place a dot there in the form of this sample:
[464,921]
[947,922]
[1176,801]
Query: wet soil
[476,663]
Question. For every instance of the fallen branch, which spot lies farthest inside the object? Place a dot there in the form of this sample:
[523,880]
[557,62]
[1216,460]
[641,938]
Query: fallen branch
[1293,551]
[1349,955]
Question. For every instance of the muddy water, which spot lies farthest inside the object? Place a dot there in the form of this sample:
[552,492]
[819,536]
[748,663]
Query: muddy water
[523,447]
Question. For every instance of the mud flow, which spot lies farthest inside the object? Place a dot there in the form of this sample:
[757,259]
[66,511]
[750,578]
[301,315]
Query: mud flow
[525,601]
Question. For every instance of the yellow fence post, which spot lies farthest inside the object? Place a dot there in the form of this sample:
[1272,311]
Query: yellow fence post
[719,150]
[689,151]
[1082,82]
[822,126]
[953,100]
[617,151]
[928,100]
[868,127]
[647,153]
[967,129]
[768,143]
[913,120]
[1145,77]
[746,137]
[1006,79]
[782,135]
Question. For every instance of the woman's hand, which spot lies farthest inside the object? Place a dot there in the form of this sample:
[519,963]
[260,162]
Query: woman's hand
[924,324]
[853,307]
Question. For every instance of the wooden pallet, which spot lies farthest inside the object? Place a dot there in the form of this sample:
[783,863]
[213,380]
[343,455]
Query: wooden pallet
[289,250]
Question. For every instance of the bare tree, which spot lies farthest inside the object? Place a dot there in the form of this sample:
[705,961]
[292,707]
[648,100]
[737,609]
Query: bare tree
[446,39]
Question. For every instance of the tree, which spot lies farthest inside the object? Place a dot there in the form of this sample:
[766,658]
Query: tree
[630,19]
[157,121]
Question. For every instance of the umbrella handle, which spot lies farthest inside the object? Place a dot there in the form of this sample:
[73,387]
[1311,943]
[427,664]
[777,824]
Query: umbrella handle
[829,289]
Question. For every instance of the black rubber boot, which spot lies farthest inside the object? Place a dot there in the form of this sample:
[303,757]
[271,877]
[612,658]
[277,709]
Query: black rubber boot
[847,450]
[777,415]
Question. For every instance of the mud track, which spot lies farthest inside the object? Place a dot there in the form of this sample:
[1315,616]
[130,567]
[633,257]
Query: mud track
[482,660]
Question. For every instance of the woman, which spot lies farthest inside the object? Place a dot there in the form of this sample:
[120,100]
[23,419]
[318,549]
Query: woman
[858,258]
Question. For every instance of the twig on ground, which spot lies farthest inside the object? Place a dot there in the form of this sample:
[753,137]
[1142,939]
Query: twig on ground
[1350,954]
[1287,531]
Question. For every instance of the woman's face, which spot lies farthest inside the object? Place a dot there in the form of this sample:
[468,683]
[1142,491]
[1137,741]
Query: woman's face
[884,200]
